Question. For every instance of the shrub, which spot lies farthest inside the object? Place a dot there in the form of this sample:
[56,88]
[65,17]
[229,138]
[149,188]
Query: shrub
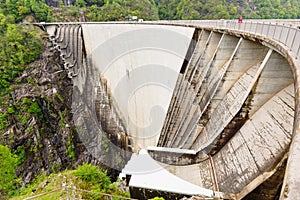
[10,109]
[35,109]
[93,175]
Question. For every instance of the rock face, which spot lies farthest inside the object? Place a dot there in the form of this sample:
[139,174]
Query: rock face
[44,135]
[45,140]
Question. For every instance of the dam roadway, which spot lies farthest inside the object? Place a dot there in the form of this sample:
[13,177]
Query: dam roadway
[214,102]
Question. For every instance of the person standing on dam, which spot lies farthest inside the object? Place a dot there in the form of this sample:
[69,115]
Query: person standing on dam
[240,20]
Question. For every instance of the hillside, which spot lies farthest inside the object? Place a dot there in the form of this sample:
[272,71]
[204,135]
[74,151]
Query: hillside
[114,10]
[228,9]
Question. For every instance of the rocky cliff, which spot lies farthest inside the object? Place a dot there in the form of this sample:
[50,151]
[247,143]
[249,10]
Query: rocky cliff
[42,132]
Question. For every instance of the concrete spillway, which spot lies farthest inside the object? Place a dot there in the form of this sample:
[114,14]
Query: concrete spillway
[219,106]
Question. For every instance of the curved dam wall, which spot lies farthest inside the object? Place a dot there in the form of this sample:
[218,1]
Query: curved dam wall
[226,96]
[235,102]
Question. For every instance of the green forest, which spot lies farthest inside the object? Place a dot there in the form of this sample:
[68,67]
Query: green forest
[113,10]
[22,44]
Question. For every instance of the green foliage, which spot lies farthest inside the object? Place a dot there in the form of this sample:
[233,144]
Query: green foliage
[43,183]
[188,9]
[41,10]
[21,155]
[27,101]
[3,121]
[70,150]
[33,186]
[8,177]
[116,10]
[113,10]
[20,9]
[93,175]
[157,198]
[145,9]
[94,2]
[80,3]
[98,181]
[19,45]
[10,109]
[228,9]
[35,109]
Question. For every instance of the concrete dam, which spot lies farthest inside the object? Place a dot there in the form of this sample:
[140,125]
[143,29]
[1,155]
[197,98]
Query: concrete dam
[212,104]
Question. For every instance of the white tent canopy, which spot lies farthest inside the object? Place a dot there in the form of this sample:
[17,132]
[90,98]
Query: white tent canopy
[147,173]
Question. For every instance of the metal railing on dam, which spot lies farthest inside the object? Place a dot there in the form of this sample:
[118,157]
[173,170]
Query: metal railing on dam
[234,76]
[285,31]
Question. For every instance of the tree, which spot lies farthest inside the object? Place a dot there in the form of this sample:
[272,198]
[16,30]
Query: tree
[167,8]
[233,10]
[94,2]
[19,45]
[145,9]
[21,8]
[41,10]
[187,9]
[8,177]
[112,12]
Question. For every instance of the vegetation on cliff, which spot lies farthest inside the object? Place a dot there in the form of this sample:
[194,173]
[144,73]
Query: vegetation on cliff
[8,176]
[37,134]
[34,109]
